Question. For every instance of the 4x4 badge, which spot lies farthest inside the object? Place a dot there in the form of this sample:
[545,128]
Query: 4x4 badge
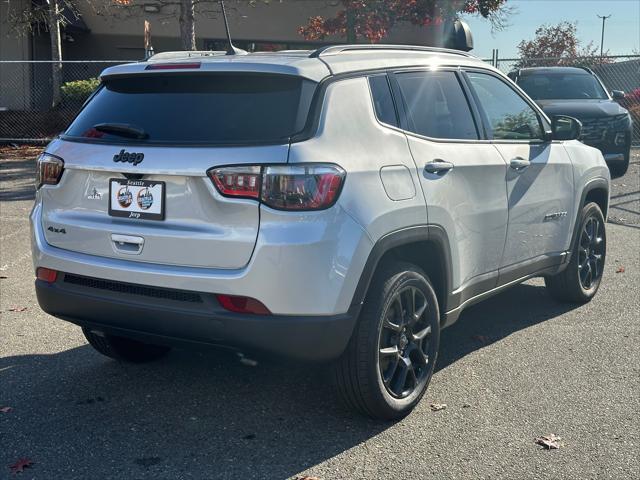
[126,157]
[57,230]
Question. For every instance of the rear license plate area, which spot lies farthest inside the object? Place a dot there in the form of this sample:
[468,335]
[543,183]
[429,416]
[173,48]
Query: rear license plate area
[138,199]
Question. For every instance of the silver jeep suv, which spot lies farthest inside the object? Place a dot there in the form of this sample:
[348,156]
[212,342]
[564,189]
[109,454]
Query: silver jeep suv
[339,205]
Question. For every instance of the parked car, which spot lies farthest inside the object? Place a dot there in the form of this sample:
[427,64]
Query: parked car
[339,205]
[578,92]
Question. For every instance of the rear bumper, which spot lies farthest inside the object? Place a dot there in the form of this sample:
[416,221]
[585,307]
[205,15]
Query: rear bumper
[304,263]
[173,316]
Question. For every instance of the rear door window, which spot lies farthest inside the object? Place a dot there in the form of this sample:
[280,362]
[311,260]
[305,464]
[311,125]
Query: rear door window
[196,109]
[436,105]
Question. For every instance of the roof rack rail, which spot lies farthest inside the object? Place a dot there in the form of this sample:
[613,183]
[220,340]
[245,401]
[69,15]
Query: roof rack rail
[336,49]
[186,54]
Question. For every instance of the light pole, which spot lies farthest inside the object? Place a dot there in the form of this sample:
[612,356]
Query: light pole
[604,19]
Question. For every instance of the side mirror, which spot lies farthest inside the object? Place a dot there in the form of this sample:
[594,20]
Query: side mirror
[565,128]
[617,94]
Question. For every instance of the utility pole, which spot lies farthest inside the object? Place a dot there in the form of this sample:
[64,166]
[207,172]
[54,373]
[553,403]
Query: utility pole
[604,19]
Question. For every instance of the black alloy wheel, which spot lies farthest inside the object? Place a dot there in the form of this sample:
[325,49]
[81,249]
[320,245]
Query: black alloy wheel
[404,352]
[388,364]
[591,252]
[580,280]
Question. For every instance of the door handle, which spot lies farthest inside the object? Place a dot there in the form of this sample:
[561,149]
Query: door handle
[127,244]
[438,166]
[519,163]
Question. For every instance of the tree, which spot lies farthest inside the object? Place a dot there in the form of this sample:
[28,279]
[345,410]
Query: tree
[27,17]
[185,10]
[372,20]
[556,45]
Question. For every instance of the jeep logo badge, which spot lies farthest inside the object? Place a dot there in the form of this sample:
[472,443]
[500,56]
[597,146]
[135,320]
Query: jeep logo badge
[126,157]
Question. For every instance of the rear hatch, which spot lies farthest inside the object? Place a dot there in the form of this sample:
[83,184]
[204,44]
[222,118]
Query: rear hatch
[135,160]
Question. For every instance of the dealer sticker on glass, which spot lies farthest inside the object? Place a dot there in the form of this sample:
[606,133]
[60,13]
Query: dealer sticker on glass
[136,199]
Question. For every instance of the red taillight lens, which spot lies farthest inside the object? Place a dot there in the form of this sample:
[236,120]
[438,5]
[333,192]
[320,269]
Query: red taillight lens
[283,187]
[48,170]
[46,275]
[243,182]
[242,305]
[312,187]
[172,66]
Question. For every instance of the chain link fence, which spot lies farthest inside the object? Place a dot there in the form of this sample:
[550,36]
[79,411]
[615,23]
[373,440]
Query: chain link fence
[26,91]
[26,97]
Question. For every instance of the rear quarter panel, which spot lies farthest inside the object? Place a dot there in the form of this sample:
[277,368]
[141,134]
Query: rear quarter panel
[350,135]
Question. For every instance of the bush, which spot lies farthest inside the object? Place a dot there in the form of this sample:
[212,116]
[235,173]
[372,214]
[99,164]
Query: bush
[78,91]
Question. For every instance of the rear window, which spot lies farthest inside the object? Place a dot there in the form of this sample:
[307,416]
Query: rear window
[570,86]
[196,109]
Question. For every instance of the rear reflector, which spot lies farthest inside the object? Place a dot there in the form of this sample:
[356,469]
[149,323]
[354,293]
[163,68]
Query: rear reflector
[172,66]
[242,305]
[46,275]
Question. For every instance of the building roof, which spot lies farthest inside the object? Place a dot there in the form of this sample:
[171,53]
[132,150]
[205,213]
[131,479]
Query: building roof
[314,65]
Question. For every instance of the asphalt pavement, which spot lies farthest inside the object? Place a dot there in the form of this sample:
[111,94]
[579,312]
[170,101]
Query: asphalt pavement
[513,368]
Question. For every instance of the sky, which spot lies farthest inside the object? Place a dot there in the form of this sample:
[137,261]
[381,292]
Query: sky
[622,30]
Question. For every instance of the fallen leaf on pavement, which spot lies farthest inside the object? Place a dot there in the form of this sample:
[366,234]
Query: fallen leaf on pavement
[550,442]
[436,407]
[20,465]
[620,270]
[306,478]
[17,309]
[5,409]
[247,361]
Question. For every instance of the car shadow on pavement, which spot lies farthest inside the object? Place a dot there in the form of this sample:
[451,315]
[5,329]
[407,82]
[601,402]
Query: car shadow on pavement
[205,414]
[624,208]
[492,320]
[18,180]
[191,415]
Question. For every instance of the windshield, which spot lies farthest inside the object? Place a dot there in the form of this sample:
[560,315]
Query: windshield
[196,109]
[570,86]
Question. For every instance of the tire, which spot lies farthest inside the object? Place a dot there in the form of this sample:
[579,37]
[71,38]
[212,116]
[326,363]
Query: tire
[580,280]
[369,354]
[619,169]
[124,349]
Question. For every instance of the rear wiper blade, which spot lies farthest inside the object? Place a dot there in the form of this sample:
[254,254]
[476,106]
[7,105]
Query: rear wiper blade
[122,129]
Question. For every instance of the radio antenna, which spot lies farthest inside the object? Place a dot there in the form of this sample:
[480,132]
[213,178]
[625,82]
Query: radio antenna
[231,49]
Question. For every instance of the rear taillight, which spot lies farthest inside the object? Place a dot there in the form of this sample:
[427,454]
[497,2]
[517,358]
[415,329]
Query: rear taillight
[46,275]
[312,187]
[48,170]
[283,187]
[243,182]
[238,304]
